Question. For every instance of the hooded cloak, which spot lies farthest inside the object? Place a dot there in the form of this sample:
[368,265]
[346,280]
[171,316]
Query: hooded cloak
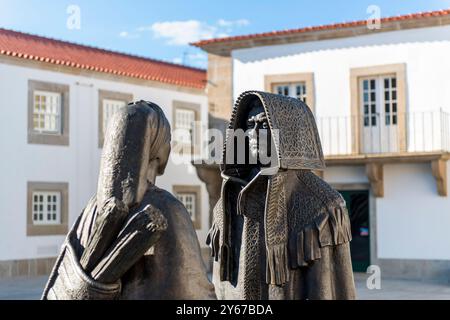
[285,234]
[173,268]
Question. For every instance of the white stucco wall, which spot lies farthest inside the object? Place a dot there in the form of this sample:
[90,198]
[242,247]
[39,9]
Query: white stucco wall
[76,164]
[424,51]
[412,220]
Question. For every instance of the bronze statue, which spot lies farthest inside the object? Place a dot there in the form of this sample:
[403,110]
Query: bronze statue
[279,231]
[133,240]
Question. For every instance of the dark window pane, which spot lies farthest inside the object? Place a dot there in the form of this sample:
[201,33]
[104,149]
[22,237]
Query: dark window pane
[35,207]
[372,84]
[49,198]
[54,216]
[286,91]
[388,120]
[366,97]
[298,90]
[394,119]
[374,121]
[372,96]
[35,198]
[280,90]
[387,108]
[366,121]
[373,108]
[394,82]
[49,216]
[41,216]
[386,95]
[54,207]
[366,84]
[304,89]
[41,207]
[366,109]
[35,216]
[394,107]
[394,95]
[304,99]
[49,207]
[386,83]
[41,198]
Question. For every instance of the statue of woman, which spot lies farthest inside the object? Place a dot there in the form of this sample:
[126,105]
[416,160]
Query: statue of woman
[133,240]
[279,231]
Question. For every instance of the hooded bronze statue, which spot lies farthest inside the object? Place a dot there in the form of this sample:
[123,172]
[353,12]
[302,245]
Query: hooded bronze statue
[279,231]
[153,249]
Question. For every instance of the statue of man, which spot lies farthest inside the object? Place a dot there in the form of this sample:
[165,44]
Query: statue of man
[133,240]
[279,231]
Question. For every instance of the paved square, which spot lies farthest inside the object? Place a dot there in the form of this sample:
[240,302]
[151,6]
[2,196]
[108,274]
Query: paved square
[31,289]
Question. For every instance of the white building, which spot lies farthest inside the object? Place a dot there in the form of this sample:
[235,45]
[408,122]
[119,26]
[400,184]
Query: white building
[56,99]
[381,98]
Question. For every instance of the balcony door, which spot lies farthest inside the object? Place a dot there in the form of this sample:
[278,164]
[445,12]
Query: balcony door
[379,114]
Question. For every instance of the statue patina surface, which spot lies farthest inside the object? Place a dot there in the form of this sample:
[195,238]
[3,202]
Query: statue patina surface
[136,151]
[279,231]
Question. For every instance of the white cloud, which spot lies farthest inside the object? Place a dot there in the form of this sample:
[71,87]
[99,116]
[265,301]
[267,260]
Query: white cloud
[233,23]
[183,32]
[177,60]
[127,35]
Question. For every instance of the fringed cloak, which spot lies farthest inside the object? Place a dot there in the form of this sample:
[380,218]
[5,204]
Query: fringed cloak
[285,234]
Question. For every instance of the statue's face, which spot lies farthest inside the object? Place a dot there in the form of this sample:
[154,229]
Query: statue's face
[257,120]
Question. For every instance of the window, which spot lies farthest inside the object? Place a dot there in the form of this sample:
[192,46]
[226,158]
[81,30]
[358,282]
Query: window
[47,208]
[295,90]
[378,106]
[296,85]
[190,197]
[188,200]
[48,113]
[108,103]
[184,122]
[186,134]
[109,107]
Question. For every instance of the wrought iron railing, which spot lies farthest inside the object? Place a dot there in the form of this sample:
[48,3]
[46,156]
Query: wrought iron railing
[417,131]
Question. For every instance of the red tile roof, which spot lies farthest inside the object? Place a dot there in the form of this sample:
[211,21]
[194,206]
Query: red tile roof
[333,26]
[32,47]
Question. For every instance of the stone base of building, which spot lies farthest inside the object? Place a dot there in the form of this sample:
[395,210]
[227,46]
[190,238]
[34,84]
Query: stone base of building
[423,270]
[26,268]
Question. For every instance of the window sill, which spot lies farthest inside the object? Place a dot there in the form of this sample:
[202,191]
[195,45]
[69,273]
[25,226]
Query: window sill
[47,230]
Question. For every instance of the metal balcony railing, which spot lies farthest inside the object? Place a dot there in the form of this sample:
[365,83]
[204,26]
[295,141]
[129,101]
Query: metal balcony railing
[416,132]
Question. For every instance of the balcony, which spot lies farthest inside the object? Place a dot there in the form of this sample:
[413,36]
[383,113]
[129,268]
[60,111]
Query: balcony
[373,140]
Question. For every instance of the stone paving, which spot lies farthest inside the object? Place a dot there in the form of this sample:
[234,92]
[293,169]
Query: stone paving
[31,288]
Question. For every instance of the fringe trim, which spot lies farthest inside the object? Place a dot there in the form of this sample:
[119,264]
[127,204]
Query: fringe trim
[221,253]
[213,241]
[329,229]
[277,272]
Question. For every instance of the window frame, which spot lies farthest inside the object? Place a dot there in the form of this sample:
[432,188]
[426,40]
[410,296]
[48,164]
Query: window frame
[108,95]
[356,74]
[193,189]
[48,137]
[39,229]
[186,148]
[289,79]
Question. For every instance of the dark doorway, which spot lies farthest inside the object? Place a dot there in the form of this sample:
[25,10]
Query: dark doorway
[358,209]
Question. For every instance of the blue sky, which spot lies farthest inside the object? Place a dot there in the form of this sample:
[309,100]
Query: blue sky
[161,29]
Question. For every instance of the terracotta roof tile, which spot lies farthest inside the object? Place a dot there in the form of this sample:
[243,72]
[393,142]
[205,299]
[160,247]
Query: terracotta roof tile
[321,27]
[32,47]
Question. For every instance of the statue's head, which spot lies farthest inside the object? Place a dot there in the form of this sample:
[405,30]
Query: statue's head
[258,133]
[283,129]
[136,148]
